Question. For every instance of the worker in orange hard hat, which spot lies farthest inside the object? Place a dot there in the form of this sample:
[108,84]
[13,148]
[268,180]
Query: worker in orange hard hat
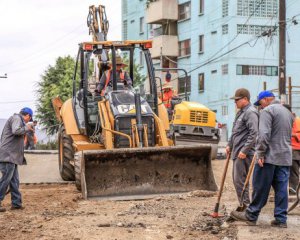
[168,94]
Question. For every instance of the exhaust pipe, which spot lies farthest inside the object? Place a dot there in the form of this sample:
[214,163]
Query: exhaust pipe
[138,112]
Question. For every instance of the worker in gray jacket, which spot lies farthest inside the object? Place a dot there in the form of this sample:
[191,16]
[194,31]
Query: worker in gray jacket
[274,158]
[12,155]
[242,141]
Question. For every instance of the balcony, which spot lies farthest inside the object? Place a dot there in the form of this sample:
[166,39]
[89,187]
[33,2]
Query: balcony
[168,43]
[162,11]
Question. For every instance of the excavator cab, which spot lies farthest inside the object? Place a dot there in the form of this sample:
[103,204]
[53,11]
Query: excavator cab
[117,145]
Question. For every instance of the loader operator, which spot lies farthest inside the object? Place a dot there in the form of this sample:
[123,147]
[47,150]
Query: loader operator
[105,83]
[242,141]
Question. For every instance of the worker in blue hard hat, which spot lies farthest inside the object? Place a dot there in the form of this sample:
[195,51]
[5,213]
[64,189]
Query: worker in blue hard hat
[12,155]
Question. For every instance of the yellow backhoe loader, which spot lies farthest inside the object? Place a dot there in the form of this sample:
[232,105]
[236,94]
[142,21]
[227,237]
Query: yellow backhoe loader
[117,144]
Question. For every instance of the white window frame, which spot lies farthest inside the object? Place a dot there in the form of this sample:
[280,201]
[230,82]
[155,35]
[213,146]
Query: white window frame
[187,50]
[184,11]
[201,43]
[142,25]
[201,7]
[201,82]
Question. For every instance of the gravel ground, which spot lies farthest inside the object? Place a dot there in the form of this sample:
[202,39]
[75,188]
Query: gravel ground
[56,211]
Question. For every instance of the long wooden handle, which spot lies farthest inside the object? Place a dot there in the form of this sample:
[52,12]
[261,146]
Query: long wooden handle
[223,178]
[249,172]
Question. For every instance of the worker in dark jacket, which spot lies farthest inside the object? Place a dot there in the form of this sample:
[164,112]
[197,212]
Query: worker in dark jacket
[242,141]
[121,75]
[12,155]
[274,158]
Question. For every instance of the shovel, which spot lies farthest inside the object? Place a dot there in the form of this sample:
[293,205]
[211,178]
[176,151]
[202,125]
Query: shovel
[215,214]
[243,206]
[297,201]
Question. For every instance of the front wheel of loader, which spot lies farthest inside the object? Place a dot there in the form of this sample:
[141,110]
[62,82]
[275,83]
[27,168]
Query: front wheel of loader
[66,155]
[77,164]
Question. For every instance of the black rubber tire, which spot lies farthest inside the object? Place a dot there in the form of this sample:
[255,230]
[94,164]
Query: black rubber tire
[66,155]
[77,164]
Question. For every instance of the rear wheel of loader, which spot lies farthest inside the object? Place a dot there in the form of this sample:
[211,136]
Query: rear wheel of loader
[66,155]
[77,164]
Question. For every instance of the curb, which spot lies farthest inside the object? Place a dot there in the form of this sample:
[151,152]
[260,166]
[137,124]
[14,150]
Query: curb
[41,151]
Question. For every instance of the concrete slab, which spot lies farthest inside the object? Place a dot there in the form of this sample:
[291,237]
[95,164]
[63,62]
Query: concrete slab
[40,168]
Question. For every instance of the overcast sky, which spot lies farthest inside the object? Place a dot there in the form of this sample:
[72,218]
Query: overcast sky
[33,33]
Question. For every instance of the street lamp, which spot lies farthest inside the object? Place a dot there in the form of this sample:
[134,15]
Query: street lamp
[5,76]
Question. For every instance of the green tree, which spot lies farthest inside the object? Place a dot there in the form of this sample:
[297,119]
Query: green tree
[56,81]
[138,77]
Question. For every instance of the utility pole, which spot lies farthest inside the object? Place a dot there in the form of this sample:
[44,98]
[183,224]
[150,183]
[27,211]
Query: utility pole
[265,86]
[5,76]
[282,51]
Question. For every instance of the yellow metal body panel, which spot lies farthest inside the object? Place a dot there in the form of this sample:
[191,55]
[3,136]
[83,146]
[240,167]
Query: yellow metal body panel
[194,114]
[106,126]
[163,115]
[68,118]
[161,132]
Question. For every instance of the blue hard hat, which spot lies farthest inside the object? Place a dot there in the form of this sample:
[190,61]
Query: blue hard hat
[28,111]
[262,95]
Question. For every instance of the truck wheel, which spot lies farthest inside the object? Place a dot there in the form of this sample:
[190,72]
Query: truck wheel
[66,155]
[77,164]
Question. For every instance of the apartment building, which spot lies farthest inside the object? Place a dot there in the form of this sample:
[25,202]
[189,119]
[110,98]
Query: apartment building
[216,42]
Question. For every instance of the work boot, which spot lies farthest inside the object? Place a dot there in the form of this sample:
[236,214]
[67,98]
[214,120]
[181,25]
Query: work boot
[241,216]
[275,223]
[2,209]
[17,208]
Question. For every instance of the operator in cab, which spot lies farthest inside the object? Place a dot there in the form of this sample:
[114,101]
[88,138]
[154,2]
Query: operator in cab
[107,77]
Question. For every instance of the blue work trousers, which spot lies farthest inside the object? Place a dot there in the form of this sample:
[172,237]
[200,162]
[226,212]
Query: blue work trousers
[263,178]
[10,178]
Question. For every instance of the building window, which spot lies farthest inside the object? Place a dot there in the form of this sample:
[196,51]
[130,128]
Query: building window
[185,47]
[224,110]
[267,8]
[201,6]
[142,25]
[225,8]
[181,85]
[125,30]
[184,11]
[214,71]
[256,30]
[141,62]
[201,82]
[201,43]
[224,69]
[225,29]
[257,70]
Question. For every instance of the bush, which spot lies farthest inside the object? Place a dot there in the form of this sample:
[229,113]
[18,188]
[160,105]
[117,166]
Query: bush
[53,145]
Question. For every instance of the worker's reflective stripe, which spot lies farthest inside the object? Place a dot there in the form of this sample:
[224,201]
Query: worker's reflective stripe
[108,74]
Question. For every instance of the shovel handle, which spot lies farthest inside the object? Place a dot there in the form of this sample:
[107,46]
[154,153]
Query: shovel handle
[223,178]
[249,173]
[297,200]
[246,183]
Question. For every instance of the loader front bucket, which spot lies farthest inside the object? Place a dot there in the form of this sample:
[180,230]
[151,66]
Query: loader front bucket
[146,171]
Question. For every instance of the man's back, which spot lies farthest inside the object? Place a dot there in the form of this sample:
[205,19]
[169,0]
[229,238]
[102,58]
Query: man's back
[275,130]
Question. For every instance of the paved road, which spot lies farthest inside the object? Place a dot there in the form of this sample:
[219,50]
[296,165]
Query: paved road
[40,168]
